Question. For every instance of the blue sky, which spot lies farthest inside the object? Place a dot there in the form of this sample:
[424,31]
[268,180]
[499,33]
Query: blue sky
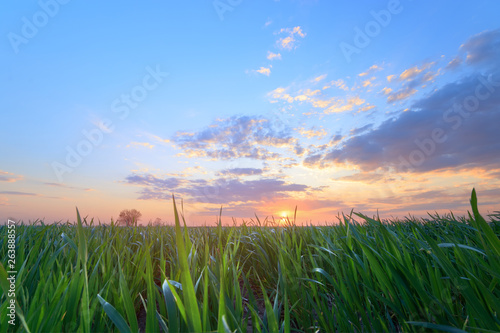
[256,106]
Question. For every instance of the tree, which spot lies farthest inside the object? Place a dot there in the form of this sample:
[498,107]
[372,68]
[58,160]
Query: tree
[156,223]
[129,217]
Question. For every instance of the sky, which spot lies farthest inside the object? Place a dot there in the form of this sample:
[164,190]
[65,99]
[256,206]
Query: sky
[258,107]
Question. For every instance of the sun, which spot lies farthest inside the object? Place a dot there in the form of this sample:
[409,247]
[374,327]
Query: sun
[284,217]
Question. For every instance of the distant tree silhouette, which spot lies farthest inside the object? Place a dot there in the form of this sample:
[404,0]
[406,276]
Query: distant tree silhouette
[129,217]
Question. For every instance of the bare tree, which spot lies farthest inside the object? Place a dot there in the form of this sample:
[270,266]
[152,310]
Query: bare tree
[129,217]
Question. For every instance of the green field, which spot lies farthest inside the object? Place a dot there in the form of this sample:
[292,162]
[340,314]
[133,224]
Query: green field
[360,275]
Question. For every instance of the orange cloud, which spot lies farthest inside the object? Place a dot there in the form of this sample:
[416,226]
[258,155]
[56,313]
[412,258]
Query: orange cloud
[289,42]
[370,70]
[9,177]
[320,78]
[272,56]
[311,133]
[264,71]
[386,91]
[140,144]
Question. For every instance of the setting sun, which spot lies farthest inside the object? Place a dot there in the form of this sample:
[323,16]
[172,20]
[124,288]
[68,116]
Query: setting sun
[285,217]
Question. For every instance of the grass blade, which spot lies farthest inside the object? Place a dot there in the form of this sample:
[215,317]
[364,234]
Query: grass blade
[190,301]
[114,315]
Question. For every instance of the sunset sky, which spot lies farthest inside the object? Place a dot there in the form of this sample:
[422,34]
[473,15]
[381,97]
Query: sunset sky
[255,106]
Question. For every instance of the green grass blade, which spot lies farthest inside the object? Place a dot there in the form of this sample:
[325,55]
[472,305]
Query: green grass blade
[151,322]
[82,259]
[225,325]
[127,299]
[114,315]
[287,311]
[481,224]
[173,318]
[442,328]
[222,324]
[190,301]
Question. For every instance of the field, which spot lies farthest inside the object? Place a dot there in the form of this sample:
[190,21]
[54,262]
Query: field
[360,275]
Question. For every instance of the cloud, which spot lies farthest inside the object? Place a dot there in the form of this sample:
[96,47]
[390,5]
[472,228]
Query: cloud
[281,93]
[4,201]
[9,177]
[370,70]
[158,139]
[401,94]
[465,139]
[360,130]
[483,48]
[365,108]
[264,71]
[312,132]
[307,94]
[411,79]
[299,151]
[419,200]
[454,63]
[452,127]
[140,144]
[237,137]
[317,99]
[151,180]
[320,204]
[272,56]
[338,83]
[494,174]
[219,191]
[319,78]
[365,177]
[413,72]
[241,172]
[386,91]
[19,193]
[341,105]
[289,42]
[67,186]
[367,83]
[57,185]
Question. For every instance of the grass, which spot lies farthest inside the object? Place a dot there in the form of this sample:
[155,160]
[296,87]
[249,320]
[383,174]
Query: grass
[361,275]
